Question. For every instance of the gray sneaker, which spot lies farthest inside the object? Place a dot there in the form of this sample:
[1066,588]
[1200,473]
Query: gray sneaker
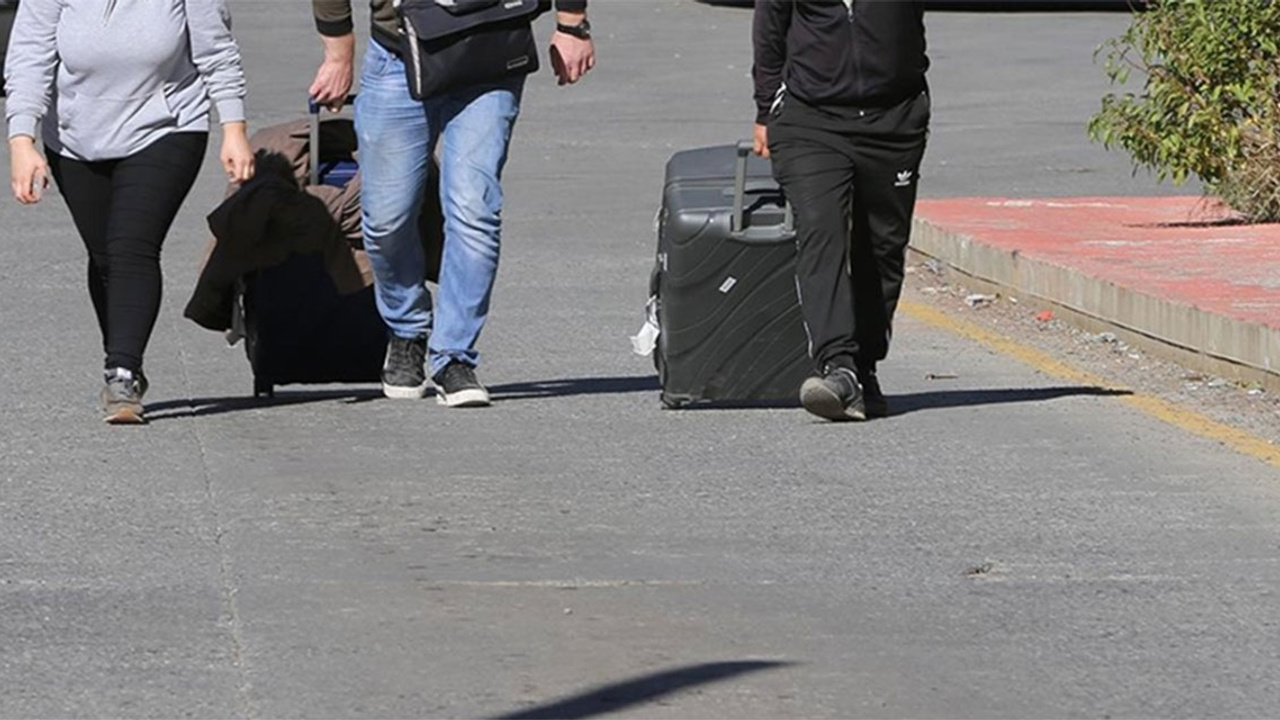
[122,397]
[404,376]
[834,396]
[456,386]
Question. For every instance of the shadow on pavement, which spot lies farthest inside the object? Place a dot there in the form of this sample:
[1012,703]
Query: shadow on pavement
[902,404]
[614,697]
[575,386]
[198,407]
[705,405]
[1214,223]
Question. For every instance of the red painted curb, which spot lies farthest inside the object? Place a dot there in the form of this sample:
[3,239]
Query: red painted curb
[1185,250]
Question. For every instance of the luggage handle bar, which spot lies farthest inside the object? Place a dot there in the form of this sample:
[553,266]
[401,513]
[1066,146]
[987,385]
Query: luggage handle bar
[755,187]
[313,109]
[737,228]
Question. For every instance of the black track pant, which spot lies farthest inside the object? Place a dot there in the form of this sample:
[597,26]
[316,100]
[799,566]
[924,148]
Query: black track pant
[123,209]
[851,177]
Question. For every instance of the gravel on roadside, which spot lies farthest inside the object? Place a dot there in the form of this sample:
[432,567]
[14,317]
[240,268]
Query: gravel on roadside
[1247,407]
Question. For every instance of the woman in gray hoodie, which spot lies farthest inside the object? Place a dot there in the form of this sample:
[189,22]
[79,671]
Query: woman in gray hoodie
[121,92]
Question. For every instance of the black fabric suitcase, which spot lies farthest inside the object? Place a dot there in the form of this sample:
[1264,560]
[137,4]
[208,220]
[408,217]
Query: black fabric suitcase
[297,328]
[728,317]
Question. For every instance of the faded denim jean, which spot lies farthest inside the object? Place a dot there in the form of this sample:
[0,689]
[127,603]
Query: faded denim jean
[397,135]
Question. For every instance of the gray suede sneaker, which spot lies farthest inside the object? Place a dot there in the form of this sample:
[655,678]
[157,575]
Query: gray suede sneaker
[122,397]
[834,396]
[404,376]
[456,386]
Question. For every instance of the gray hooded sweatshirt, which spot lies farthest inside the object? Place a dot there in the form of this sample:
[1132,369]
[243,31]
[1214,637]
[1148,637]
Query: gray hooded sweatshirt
[110,77]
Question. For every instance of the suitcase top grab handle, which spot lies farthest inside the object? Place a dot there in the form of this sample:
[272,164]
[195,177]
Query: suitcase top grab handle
[313,109]
[738,230]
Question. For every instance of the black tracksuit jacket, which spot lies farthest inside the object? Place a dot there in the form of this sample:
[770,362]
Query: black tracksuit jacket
[844,53]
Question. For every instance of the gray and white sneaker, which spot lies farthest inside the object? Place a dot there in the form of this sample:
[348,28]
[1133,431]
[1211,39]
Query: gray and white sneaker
[404,376]
[122,397]
[836,395]
[456,386]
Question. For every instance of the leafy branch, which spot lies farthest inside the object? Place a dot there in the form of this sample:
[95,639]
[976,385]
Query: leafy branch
[1210,73]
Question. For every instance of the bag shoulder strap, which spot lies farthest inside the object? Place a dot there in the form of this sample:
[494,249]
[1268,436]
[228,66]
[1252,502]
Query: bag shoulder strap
[427,20]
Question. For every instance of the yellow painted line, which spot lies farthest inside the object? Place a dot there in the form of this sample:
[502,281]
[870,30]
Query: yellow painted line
[1178,416]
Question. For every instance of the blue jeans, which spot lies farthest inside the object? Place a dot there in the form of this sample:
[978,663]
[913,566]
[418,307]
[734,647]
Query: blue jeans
[397,135]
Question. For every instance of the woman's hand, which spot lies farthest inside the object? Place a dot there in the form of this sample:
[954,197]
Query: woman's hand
[29,172]
[237,156]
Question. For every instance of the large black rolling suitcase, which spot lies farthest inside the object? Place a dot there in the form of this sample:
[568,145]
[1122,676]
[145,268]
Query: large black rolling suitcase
[728,317]
[297,327]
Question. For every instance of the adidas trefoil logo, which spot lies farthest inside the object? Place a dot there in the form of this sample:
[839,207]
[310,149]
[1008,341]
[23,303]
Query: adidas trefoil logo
[904,178]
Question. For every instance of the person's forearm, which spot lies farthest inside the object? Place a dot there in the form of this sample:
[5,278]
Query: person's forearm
[333,17]
[769,38]
[217,57]
[340,48]
[31,66]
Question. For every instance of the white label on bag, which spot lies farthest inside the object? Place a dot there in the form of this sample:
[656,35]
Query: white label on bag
[728,284]
[644,342]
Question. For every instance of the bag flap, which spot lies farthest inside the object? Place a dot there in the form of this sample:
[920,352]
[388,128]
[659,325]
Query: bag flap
[426,20]
[465,7]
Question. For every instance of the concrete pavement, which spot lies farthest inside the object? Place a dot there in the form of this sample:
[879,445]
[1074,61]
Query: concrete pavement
[1007,545]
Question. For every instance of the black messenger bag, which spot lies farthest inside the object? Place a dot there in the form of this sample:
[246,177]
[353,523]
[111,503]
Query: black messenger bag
[468,43]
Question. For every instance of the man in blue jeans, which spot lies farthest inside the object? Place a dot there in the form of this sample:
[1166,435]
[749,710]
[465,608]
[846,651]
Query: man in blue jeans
[397,135]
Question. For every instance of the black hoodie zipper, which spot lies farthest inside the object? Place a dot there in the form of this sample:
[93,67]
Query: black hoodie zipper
[857,51]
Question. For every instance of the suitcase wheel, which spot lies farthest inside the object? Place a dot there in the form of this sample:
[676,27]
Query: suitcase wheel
[263,389]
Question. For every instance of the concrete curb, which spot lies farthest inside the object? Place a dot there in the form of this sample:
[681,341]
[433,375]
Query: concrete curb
[1248,352]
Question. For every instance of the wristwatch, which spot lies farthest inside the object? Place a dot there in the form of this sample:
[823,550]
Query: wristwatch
[582,30]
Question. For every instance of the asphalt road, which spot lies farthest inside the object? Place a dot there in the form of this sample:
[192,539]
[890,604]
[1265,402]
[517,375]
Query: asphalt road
[1004,546]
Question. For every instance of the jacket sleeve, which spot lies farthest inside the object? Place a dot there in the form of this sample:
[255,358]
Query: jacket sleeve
[769,42]
[31,65]
[333,17]
[217,57]
[576,6]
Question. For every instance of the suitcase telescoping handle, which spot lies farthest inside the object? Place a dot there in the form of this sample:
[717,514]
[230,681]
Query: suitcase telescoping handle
[741,232]
[313,109]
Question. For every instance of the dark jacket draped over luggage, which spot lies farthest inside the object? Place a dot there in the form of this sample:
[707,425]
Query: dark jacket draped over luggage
[276,216]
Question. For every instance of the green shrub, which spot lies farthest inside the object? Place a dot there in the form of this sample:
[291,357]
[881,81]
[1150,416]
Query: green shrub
[1210,106]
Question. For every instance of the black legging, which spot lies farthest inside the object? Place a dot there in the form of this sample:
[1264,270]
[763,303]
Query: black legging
[123,209]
